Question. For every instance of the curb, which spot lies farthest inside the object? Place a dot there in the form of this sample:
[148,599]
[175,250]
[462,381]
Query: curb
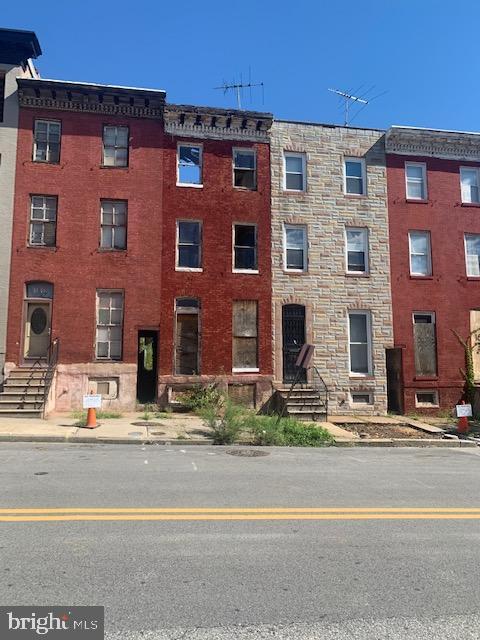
[411,442]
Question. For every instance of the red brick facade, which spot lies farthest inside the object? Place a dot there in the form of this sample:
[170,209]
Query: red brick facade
[448,292]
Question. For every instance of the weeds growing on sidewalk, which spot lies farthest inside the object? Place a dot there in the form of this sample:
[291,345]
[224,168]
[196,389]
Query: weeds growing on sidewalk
[81,416]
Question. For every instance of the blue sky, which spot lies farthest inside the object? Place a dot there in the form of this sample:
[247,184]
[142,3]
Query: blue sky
[422,53]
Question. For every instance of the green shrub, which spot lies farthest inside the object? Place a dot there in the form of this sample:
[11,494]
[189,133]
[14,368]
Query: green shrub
[225,419]
[201,397]
[287,432]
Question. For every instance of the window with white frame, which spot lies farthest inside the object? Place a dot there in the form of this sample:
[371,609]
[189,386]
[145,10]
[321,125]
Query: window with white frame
[109,325]
[245,335]
[244,247]
[357,250]
[355,182]
[189,254]
[43,221]
[113,223]
[420,253]
[245,168]
[115,146]
[46,146]
[189,165]
[472,254]
[469,181]
[416,180]
[360,343]
[295,247]
[294,165]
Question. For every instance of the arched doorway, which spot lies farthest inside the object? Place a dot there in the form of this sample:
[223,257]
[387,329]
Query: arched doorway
[293,332]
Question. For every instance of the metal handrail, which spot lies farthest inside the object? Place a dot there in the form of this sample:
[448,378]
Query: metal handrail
[52,360]
[320,387]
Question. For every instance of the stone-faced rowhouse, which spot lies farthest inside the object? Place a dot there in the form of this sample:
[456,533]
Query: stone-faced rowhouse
[141,253]
[331,272]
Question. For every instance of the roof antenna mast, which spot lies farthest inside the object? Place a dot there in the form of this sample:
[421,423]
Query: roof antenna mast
[238,87]
[348,99]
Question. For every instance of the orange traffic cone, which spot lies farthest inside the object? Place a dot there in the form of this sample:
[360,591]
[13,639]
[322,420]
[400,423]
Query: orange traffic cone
[462,424]
[91,419]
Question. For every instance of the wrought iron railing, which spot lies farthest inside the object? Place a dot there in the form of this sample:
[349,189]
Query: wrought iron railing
[52,360]
[320,387]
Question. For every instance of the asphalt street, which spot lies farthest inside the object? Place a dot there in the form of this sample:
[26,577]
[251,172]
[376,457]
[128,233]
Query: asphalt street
[196,543]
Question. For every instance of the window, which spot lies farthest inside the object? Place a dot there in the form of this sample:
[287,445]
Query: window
[245,334]
[416,180]
[469,183]
[189,170]
[355,176]
[245,247]
[115,146]
[360,343]
[186,337]
[109,325]
[2,94]
[420,253]
[189,244]
[46,147]
[294,171]
[43,221]
[426,398]
[357,250]
[295,243]
[113,232]
[361,397]
[472,254]
[245,168]
[425,343]
[106,387]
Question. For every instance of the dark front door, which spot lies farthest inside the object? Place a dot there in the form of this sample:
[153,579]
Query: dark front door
[293,327]
[147,366]
[394,380]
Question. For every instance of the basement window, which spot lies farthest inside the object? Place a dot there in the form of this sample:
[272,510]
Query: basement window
[106,387]
[361,397]
[245,336]
[426,399]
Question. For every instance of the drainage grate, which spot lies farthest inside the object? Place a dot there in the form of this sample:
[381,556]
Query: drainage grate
[41,473]
[247,453]
[145,423]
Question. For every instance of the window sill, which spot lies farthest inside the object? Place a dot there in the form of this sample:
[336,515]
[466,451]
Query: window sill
[295,272]
[42,246]
[57,163]
[107,250]
[355,196]
[474,205]
[246,370]
[244,188]
[473,278]
[361,376]
[417,200]
[359,274]
[114,166]
[189,269]
[107,360]
[247,271]
[295,192]
[425,378]
[414,276]
[187,184]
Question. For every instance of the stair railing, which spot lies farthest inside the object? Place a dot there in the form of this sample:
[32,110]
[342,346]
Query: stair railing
[320,388]
[52,360]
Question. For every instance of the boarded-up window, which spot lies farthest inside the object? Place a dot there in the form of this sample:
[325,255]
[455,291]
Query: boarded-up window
[475,333]
[186,337]
[425,344]
[245,334]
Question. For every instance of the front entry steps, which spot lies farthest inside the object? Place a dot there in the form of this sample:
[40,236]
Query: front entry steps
[304,403]
[23,393]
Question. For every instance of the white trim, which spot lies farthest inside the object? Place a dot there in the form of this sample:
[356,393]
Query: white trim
[197,145]
[244,224]
[247,369]
[252,151]
[177,246]
[357,392]
[361,162]
[429,253]
[366,247]
[303,227]
[465,235]
[427,405]
[424,180]
[293,154]
[477,171]
[368,315]
[424,313]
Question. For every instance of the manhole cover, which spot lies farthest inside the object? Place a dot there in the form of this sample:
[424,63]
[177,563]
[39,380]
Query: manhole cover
[247,453]
[41,473]
[145,423]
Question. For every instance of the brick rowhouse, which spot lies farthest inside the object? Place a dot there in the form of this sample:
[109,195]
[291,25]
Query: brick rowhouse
[114,307]
[433,179]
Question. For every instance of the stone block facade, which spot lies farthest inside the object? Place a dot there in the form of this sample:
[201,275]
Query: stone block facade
[325,290]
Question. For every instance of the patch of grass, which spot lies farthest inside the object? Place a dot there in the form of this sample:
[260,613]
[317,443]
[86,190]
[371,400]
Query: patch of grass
[165,415]
[287,432]
[81,416]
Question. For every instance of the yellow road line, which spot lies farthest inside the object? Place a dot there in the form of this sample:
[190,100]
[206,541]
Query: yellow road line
[232,510]
[244,517]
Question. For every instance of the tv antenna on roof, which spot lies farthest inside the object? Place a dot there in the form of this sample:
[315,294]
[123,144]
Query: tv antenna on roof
[350,99]
[238,88]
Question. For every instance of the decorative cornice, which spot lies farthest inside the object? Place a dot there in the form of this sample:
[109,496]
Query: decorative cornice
[448,145]
[87,98]
[219,124]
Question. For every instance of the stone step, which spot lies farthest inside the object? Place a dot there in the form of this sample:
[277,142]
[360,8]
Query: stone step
[21,375]
[15,396]
[20,404]
[14,386]
[305,406]
[311,416]
[21,413]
